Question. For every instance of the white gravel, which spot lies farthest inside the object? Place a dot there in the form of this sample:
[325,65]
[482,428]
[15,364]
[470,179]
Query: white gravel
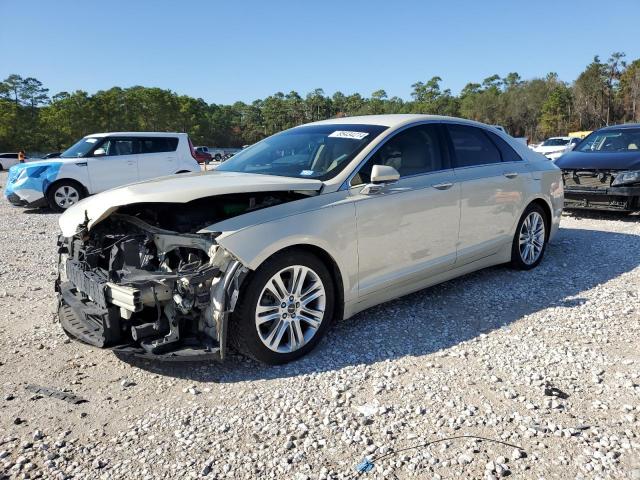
[470,357]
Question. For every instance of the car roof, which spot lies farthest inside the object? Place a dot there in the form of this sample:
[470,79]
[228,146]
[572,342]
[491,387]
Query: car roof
[134,134]
[394,120]
[622,125]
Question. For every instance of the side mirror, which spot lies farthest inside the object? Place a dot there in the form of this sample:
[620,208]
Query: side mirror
[99,152]
[384,174]
[380,176]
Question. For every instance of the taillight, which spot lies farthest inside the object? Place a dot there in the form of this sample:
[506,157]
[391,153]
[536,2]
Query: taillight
[193,150]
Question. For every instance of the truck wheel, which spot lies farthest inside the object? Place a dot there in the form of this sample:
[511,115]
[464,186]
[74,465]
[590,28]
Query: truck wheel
[284,309]
[63,194]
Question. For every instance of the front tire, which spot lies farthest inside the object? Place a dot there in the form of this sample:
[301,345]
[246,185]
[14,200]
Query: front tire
[285,308]
[64,194]
[530,239]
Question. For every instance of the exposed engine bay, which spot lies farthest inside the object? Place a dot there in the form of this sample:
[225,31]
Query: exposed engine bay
[145,281]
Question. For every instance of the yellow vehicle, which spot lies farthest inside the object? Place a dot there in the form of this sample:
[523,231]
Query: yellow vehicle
[579,134]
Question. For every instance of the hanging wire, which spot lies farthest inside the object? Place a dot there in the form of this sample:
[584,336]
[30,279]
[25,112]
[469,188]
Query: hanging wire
[367,465]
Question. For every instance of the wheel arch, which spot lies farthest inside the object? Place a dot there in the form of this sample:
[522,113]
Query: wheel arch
[544,204]
[337,275]
[57,181]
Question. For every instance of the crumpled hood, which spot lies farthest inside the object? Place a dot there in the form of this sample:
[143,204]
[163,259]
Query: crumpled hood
[181,188]
[599,161]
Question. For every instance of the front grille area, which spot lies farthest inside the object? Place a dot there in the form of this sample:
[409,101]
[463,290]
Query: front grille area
[588,179]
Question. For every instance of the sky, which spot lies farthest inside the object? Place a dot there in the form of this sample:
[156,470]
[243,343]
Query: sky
[244,50]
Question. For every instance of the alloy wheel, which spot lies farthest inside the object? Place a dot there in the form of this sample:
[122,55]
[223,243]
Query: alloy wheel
[65,196]
[532,237]
[290,309]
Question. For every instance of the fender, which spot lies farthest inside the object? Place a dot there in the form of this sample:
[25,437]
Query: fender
[334,233]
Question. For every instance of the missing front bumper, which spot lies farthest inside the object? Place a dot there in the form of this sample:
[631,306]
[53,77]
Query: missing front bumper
[169,294]
[621,199]
[88,322]
[90,310]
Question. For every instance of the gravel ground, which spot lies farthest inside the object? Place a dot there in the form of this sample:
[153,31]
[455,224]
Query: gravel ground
[546,361]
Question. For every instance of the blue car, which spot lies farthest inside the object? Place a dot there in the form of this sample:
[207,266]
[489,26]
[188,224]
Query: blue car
[603,171]
[96,163]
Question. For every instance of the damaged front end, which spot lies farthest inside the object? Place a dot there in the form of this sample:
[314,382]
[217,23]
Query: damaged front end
[132,285]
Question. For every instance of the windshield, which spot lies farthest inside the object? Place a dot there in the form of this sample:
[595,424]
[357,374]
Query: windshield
[314,151]
[555,142]
[80,149]
[620,140]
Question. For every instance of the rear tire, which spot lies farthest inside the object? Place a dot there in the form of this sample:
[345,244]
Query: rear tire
[530,239]
[274,326]
[63,194]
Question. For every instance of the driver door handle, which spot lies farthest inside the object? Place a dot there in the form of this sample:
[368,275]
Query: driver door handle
[510,174]
[443,186]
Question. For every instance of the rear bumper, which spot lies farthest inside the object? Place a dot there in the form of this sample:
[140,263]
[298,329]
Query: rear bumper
[622,199]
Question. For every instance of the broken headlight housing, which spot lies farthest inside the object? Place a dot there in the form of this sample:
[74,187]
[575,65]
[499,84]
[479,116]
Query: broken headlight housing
[626,178]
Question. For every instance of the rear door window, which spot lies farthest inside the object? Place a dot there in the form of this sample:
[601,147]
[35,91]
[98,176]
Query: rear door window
[472,146]
[158,144]
[507,152]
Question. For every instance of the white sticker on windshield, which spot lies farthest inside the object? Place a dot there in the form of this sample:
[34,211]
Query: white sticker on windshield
[306,173]
[348,134]
[92,140]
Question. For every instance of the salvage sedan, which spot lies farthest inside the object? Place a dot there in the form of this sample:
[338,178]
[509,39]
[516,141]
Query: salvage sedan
[603,172]
[310,225]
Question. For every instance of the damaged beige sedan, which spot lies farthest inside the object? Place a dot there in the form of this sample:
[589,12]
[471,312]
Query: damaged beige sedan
[310,225]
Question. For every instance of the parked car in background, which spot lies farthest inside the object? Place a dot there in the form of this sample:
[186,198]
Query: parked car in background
[7,160]
[227,156]
[554,147]
[603,171]
[203,155]
[313,224]
[96,163]
[222,154]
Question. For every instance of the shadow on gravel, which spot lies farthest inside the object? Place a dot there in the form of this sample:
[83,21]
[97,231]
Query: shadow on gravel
[444,315]
[39,211]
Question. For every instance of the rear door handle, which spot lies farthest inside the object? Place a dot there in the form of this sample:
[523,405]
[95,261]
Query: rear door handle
[510,174]
[443,186]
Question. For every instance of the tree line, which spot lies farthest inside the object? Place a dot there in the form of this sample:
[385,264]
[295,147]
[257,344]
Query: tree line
[604,93]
